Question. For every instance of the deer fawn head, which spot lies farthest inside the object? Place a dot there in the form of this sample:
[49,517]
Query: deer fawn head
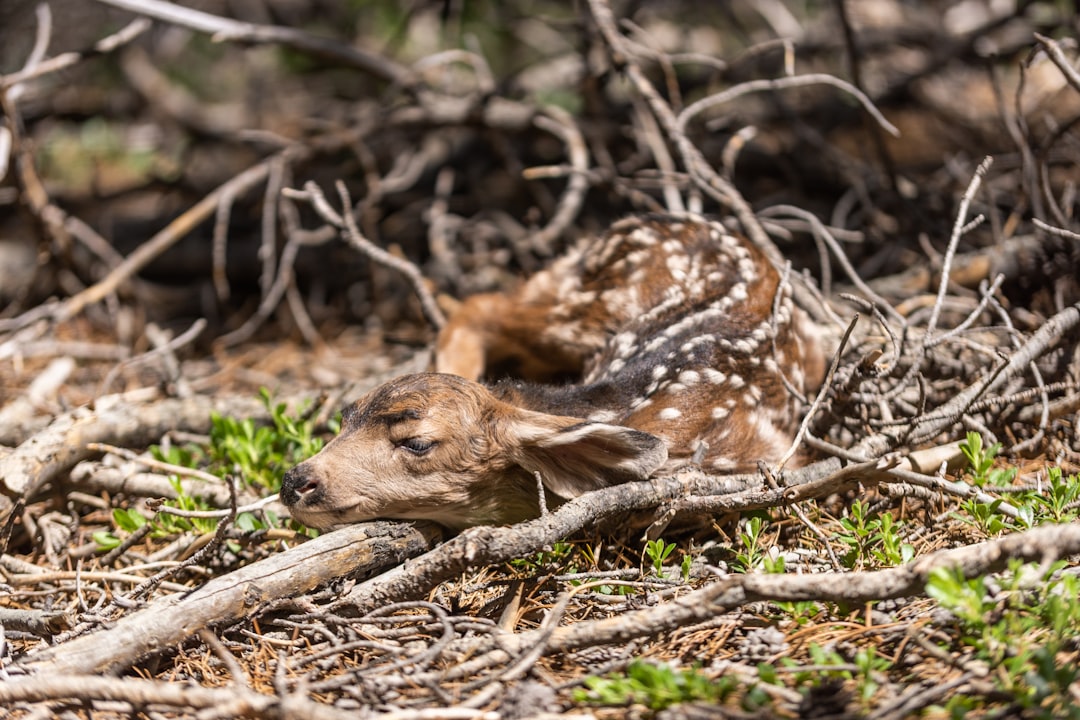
[440,447]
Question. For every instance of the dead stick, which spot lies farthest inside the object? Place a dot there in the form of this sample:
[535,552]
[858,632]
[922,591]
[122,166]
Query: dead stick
[227,599]
[1042,544]
[171,234]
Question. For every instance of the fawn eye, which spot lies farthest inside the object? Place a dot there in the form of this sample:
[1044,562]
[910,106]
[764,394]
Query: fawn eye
[415,445]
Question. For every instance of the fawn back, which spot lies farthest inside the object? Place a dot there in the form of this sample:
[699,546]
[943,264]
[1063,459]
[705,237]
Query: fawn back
[665,341]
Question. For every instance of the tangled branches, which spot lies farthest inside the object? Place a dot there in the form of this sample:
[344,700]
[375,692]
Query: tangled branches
[949,295]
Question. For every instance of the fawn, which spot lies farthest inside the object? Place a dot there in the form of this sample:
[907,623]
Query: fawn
[664,342]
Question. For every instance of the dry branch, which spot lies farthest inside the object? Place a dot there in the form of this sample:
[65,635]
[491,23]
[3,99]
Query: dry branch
[35,622]
[1042,545]
[128,33]
[170,620]
[220,702]
[174,232]
[483,546]
[225,29]
[116,420]
[1056,329]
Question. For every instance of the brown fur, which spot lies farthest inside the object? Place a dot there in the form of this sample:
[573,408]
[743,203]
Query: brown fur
[665,328]
[475,464]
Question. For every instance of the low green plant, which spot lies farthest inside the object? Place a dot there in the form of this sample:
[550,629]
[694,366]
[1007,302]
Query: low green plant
[655,686]
[546,558]
[1060,500]
[658,551]
[826,664]
[128,520]
[1057,501]
[1027,631]
[870,667]
[872,540]
[685,567]
[980,461]
[984,515]
[753,551]
[257,455]
[858,535]
[892,550]
[165,524]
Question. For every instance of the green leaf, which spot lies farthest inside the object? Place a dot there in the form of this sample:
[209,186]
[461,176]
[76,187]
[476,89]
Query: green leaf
[128,520]
[105,540]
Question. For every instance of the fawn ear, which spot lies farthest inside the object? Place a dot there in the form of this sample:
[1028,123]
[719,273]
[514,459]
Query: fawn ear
[575,456]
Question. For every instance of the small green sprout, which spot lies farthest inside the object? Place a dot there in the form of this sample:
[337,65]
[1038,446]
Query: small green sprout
[656,686]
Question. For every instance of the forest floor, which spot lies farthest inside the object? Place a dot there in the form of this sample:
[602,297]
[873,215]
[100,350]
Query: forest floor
[186,310]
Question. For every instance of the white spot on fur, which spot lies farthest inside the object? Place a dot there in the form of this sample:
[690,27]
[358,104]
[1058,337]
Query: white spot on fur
[719,413]
[625,344]
[767,433]
[689,377]
[752,396]
[572,334]
[714,376]
[586,297]
[716,277]
[644,236]
[670,413]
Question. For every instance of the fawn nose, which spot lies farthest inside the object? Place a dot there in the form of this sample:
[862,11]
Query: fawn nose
[297,481]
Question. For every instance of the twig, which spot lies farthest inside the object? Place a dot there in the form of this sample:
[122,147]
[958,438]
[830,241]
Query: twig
[154,463]
[275,181]
[282,282]
[707,178]
[1053,50]
[171,619]
[721,98]
[113,419]
[1051,332]
[211,514]
[162,350]
[220,244]
[822,392]
[954,239]
[171,234]
[823,233]
[561,124]
[347,224]
[733,591]
[224,29]
[987,295]
[121,37]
